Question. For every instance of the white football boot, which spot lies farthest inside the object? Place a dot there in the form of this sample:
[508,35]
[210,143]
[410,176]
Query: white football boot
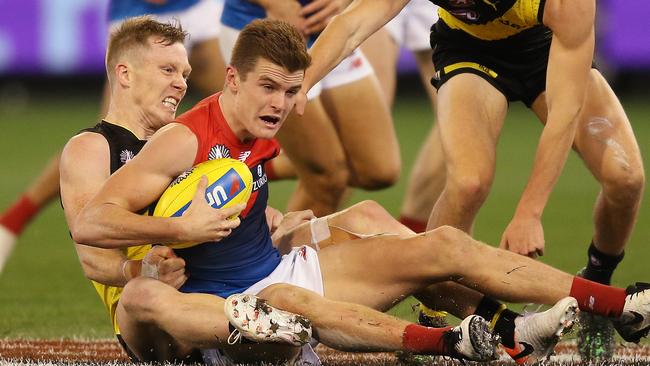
[7,243]
[257,321]
[634,322]
[472,340]
[536,334]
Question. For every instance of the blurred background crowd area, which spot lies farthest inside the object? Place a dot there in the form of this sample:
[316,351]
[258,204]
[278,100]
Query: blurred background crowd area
[65,39]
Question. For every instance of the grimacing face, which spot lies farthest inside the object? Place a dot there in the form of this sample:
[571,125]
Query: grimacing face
[264,99]
[160,81]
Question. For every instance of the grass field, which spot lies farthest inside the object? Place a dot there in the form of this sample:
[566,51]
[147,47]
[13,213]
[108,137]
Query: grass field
[43,293]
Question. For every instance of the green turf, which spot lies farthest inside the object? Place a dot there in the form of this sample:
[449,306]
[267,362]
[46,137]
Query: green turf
[43,292]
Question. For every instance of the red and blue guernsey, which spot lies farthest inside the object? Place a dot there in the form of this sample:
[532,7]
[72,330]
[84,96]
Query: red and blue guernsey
[247,255]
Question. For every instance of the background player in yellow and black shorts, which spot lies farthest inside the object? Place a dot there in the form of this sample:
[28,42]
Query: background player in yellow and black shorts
[515,66]
[491,52]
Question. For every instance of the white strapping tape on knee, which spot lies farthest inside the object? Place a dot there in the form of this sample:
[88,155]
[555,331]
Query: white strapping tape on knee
[320,230]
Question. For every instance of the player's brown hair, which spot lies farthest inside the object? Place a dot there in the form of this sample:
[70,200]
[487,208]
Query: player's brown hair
[274,40]
[135,32]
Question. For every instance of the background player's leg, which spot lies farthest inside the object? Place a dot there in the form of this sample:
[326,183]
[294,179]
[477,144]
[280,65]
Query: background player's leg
[383,52]
[207,67]
[470,114]
[365,129]
[427,178]
[16,217]
[312,144]
[280,168]
[606,143]
[426,182]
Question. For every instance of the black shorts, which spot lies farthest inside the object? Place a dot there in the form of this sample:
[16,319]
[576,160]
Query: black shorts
[516,66]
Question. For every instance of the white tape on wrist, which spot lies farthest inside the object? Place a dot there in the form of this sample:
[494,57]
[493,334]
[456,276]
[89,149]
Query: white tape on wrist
[320,231]
[149,270]
[124,263]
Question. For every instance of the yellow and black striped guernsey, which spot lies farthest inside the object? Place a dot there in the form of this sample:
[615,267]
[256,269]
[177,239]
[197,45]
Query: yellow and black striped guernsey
[123,146]
[491,19]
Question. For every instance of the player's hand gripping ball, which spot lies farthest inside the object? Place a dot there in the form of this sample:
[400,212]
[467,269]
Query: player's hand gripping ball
[230,182]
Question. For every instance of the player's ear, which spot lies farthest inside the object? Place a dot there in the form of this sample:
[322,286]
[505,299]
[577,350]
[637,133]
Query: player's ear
[122,74]
[232,78]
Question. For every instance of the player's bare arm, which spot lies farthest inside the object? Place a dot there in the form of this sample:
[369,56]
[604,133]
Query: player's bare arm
[356,23]
[571,54]
[110,219]
[84,169]
[289,11]
[319,13]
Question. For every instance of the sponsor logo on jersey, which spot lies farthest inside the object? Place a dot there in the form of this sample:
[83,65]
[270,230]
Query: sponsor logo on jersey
[218,152]
[259,177]
[126,156]
[244,155]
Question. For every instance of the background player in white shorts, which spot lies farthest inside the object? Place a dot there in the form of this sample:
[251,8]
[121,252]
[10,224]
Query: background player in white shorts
[410,29]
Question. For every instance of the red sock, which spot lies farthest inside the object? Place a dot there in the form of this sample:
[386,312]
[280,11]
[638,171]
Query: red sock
[18,215]
[598,299]
[424,340]
[416,225]
[269,170]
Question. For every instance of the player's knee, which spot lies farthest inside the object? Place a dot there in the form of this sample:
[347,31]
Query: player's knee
[439,251]
[139,297]
[625,186]
[380,177]
[470,189]
[448,242]
[329,182]
[369,210]
[448,234]
[288,297]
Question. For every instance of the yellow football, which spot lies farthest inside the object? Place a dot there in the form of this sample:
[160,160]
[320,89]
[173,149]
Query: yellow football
[229,182]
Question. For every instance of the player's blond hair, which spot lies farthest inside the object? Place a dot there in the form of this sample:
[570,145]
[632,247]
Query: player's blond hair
[136,32]
[274,40]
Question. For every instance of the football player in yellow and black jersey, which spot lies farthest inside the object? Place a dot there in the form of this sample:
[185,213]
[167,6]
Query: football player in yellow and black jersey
[488,53]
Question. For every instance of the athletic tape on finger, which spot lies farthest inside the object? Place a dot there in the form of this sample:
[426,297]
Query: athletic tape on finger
[149,270]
